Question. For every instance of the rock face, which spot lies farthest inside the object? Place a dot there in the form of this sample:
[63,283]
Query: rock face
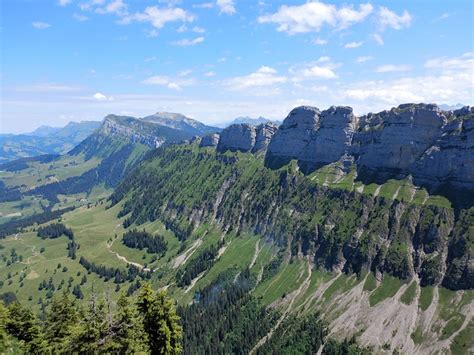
[211,140]
[293,136]
[155,130]
[246,138]
[389,143]
[264,135]
[435,147]
[313,137]
[451,157]
[332,139]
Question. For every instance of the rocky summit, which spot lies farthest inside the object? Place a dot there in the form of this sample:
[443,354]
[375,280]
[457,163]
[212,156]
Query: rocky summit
[433,146]
[245,137]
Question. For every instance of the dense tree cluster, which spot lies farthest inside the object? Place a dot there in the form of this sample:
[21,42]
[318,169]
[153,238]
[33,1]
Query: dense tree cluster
[199,264]
[224,318]
[155,244]
[118,275]
[17,225]
[147,325]
[54,230]
[306,335]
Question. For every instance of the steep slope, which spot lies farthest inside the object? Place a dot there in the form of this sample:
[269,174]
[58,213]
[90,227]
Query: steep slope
[45,140]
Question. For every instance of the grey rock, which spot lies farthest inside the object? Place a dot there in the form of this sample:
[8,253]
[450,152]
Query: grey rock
[389,143]
[237,137]
[420,141]
[211,140]
[264,135]
[293,136]
[332,139]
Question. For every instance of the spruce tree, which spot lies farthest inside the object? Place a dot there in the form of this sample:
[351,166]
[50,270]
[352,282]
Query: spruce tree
[160,321]
[4,338]
[62,322]
[129,335]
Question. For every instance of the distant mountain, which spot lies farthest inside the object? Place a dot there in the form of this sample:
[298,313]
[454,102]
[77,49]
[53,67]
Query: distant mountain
[180,122]
[253,121]
[446,107]
[45,140]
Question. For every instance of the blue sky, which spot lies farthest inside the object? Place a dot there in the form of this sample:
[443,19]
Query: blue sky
[72,60]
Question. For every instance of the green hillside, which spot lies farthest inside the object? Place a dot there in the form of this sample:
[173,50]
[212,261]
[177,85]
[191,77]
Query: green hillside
[271,241]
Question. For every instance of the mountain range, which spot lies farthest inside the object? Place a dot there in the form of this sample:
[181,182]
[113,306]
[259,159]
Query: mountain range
[351,233]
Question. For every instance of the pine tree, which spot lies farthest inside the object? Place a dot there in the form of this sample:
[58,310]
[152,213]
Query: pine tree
[62,322]
[129,335]
[91,337]
[160,321]
[23,325]
[4,338]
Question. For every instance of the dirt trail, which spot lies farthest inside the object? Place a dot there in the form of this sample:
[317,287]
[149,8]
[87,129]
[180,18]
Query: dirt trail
[123,258]
[292,297]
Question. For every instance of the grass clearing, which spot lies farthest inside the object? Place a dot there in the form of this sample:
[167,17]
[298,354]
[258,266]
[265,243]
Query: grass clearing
[387,289]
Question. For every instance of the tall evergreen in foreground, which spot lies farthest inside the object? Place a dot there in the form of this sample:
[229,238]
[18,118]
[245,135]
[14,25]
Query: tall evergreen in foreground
[147,325]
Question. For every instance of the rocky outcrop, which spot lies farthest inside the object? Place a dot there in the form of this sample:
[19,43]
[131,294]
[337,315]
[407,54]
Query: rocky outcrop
[332,139]
[211,140]
[434,147]
[293,136]
[450,160]
[264,134]
[390,142]
[245,137]
[312,137]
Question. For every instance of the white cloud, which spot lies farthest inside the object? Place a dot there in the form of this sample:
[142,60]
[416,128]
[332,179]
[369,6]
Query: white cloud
[197,29]
[387,18]
[364,59]
[210,74]
[391,68]
[174,83]
[447,80]
[264,77]
[149,59]
[64,2]
[226,6]
[463,62]
[101,97]
[444,16]
[117,7]
[323,68]
[46,87]
[353,44]
[320,42]
[159,17]
[312,16]
[151,33]
[377,38]
[186,42]
[205,5]
[79,17]
[40,25]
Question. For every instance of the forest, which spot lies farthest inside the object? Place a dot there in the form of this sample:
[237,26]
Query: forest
[155,244]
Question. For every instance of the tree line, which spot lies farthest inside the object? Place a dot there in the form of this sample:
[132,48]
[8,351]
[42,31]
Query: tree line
[118,275]
[54,230]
